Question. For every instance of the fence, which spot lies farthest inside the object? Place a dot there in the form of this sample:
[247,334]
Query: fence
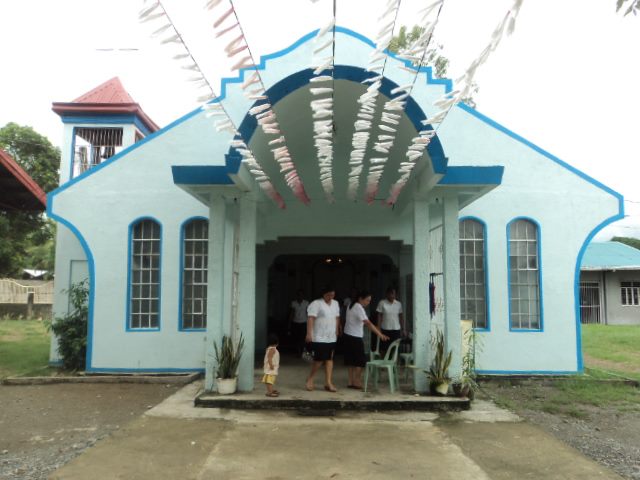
[26,298]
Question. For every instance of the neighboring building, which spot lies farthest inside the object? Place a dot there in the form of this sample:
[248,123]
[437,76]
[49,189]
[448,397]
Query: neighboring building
[18,191]
[610,284]
[181,246]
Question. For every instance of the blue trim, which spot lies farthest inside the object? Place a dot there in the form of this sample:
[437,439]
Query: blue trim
[147,370]
[539,252]
[202,175]
[127,319]
[576,281]
[181,274]
[92,274]
[111,119]
[485,249]
[526,372]
[472,176]
[537,149]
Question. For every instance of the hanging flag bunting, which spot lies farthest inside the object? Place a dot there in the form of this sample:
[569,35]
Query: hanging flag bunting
[169,34]
[450,99]
[367,111]
[322,105]
[254,89]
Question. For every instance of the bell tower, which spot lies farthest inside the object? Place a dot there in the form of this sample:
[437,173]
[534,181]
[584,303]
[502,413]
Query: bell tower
[98,125]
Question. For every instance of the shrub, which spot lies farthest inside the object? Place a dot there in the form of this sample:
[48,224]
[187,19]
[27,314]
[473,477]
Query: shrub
[71,329]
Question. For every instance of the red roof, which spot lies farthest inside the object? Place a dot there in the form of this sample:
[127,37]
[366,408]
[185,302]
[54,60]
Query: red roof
[109,97]
[19,191]
[110,91]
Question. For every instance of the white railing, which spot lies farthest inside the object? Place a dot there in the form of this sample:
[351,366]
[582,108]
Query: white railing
[17,291]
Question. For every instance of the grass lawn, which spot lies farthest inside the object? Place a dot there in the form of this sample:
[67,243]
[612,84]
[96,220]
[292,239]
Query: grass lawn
[612,348]
[610,352]
[24,348]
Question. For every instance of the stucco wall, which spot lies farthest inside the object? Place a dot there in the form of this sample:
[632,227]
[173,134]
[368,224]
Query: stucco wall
[618,314]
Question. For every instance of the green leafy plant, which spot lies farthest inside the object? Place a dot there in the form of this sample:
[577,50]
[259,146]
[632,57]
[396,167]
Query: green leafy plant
[71,329]
[438,373]
[228,357]
[468,379]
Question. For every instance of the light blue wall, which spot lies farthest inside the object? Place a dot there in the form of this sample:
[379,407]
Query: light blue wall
[138,183]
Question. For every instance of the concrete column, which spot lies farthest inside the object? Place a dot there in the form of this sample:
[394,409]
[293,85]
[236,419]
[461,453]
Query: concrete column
[245,296]
[216,284]
[421,334]
[451,261]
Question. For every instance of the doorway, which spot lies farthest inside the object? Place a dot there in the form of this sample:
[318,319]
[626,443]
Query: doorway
[309,273]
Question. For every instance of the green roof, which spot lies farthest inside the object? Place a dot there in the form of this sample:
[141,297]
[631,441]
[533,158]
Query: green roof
[610,256]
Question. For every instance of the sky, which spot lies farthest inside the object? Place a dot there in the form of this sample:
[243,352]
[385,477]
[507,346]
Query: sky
[566,80]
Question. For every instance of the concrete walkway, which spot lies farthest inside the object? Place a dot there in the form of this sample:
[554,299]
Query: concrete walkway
[175,440]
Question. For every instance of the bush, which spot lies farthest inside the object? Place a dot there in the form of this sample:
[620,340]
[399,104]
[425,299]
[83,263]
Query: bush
[71,329]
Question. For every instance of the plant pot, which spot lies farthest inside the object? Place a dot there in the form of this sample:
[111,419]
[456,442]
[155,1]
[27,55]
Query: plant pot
[439,388]
[227,386]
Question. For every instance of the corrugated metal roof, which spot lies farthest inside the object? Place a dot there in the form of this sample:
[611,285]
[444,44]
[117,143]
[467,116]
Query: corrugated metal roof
[18,191]
[610,256]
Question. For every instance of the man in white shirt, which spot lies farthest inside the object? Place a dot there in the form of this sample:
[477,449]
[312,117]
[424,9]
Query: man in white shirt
[298,320]
[390,319]
[323,328]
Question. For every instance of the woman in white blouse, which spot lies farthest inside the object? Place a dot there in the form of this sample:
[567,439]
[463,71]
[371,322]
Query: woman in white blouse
[390,318]
[354,357]
[323,328]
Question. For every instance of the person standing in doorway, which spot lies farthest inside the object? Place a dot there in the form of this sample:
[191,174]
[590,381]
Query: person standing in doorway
[298,321]
[354,357]
[390,318]
[323,327]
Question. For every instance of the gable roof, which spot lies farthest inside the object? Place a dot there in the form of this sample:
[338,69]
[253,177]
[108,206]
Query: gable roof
[610,256]
[109,97]
[19,191]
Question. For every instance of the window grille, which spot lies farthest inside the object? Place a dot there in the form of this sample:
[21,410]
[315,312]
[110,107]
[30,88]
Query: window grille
[473,296]
[630,293]
[145,275]
[524,278]
[194,274]
[93,146]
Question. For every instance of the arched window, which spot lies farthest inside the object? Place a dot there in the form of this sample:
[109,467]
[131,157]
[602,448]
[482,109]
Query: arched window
[195,244]
[144,274]
[473,291]
[524,275]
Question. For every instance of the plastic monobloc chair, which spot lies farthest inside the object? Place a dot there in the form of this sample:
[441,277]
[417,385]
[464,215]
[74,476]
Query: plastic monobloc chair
[389,363]
[375,354]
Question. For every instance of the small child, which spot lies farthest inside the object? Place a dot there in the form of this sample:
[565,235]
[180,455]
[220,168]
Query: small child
[271,365]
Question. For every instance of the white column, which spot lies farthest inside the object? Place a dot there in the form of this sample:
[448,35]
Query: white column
[421,320]
[246,290]
[216,282]
[451,261]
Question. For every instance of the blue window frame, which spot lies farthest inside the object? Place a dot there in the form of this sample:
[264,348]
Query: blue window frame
[194,262]
[473,284]
[145,237]
[525,299]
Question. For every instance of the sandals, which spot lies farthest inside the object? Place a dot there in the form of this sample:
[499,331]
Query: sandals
[355,387]
[272,394]
[330,389]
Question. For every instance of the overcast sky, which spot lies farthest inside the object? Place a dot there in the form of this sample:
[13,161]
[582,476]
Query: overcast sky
[567,80]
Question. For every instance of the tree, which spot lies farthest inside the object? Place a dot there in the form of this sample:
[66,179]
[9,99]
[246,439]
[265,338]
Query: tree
[632,242]
[27,238]
[433,57]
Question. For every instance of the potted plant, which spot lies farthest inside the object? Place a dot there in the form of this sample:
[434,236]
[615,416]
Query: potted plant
[439,372]
[227,360]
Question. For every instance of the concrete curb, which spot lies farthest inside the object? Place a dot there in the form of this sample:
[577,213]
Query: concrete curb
[175,379]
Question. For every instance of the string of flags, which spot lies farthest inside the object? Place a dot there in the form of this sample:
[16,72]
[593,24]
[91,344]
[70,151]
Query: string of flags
[464,84]
[322,104]
[253,87]
[367,110]
[168,34]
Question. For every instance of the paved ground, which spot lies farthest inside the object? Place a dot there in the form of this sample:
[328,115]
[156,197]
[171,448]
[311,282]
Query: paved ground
[44,426]
[175,440]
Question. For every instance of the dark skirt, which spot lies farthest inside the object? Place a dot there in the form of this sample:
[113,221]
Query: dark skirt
[322,351]
[393,335]
[353,351]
